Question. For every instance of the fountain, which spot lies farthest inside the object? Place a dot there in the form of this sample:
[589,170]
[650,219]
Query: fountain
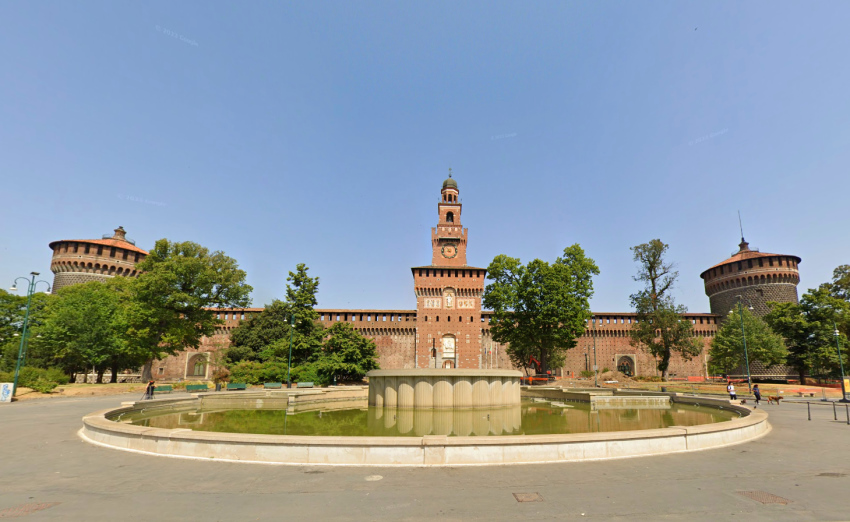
[424,418]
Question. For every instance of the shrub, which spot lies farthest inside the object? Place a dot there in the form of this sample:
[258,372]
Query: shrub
[308,373]
[7,376]
[42,385]
[605,370]
[56,375]
[587,374]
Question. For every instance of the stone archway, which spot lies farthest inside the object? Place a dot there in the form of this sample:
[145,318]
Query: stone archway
[197,366]
[626,365]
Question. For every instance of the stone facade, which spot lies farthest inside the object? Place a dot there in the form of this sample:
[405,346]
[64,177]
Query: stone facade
[448,328]
[78,261]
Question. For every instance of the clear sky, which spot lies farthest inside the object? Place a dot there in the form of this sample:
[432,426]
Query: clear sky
[320,132]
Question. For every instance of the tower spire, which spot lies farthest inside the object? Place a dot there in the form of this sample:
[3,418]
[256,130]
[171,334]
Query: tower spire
[743,246]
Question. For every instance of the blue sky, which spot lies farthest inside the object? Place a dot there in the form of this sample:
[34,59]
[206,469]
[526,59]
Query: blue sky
[320,132]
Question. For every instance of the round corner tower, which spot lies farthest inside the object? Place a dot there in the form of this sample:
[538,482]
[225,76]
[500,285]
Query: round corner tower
[756,276]
[78,261]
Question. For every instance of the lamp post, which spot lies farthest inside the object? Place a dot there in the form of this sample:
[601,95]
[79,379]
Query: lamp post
[31,284]
[840,362]
[744,338]
[289,366]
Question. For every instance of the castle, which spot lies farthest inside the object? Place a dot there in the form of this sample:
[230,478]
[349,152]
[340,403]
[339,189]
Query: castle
[448,328]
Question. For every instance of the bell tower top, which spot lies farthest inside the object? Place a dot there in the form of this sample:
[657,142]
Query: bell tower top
[448,239]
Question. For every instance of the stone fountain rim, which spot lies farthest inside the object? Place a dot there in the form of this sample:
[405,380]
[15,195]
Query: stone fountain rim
[443,372]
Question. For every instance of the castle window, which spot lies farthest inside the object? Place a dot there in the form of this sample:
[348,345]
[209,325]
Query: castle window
[438,319]
[99,250]
[450,217]
[721,270]
[242,318]
[449,319]
[87,249]
[112,252]
[125,255]
[740,266]
[749,263]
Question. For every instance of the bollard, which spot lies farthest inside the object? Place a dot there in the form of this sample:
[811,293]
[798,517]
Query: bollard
[847,409]
[809,407]
[834,412]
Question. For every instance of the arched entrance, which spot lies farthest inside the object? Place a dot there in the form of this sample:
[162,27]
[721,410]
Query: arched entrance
[196,366]
[626,365]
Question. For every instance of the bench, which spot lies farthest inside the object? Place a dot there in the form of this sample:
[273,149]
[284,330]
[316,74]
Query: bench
[196,387]
[304,385]
[273,385]
[165,388]
[237,386]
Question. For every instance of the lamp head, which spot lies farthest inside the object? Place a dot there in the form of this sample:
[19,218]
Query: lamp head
[14,288]
[750,308]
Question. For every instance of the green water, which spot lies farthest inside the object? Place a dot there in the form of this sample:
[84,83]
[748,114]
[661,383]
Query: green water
[530,418]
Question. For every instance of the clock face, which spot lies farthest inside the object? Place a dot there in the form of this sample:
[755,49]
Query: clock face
[449,251]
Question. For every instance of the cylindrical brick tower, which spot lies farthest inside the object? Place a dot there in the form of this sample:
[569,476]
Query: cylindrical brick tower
[756,276]
[81,260]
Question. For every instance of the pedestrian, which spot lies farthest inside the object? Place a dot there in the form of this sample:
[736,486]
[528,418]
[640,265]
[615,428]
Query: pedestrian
[757,393]
[731,389]
[149,390]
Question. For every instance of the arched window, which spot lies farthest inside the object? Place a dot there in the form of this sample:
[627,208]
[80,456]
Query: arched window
[450,217]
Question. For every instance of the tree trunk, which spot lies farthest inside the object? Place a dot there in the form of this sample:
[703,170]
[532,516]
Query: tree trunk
[100,372]
[114,377]
[147,374]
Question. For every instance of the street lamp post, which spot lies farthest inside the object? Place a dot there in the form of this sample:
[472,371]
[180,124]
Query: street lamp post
[840,362]
[31,284]
[289,366]
[744,338]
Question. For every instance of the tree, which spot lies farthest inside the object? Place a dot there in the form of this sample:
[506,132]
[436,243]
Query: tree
[659,327]
[178,285]
[346,355]
[808,330]
[727,347]
[12,311]
[540,309]
[85,326]
[266,336]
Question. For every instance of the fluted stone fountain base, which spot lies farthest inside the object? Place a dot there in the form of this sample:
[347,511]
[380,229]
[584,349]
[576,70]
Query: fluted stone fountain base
[449,388]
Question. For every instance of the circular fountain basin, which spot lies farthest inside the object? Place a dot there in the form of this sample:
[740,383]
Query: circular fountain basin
[412,437]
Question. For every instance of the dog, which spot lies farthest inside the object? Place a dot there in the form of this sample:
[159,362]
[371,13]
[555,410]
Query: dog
[774,398]
[743,401]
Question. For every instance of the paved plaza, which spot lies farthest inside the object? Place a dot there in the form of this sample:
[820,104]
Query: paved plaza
[48,473]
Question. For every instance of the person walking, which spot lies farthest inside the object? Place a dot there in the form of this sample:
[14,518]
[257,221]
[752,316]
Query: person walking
[731,389]
[757,393]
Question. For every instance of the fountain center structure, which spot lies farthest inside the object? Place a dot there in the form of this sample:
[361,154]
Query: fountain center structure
[444,388]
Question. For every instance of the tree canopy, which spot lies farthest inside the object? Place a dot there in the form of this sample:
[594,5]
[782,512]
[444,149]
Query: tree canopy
[727,346]
[346,355]
[808,330]
[659,326]
[177,286]
[540,309]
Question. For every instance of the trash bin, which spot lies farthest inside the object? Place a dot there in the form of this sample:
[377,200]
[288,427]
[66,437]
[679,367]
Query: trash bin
[218,386]
[664,389]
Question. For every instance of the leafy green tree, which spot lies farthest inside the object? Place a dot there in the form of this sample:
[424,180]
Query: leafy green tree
[346,355]
[540,309]
[660,328]
[808,331]
[727,347]
[173,296]
[85,326]
[12,311]
[266,336]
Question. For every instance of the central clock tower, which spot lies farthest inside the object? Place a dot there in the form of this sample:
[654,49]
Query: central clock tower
[448,239]
[448,293]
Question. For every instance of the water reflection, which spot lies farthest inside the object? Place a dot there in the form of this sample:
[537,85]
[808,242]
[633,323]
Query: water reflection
[530,418]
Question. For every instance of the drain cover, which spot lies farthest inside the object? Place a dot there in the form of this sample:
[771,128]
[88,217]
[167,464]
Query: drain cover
[764,497]
[25,509]
[832,474]
[528,497]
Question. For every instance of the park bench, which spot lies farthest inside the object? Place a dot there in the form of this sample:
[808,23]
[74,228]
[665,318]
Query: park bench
[305,385]
[165,388]
[237,386]
[273,385]
[196,387]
